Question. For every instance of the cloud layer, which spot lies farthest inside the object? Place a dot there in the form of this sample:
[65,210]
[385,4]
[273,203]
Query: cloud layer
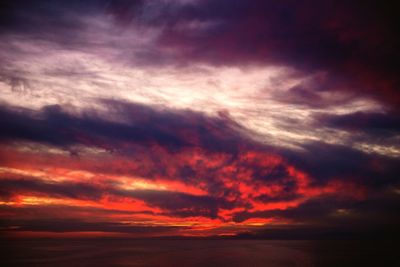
[153,118]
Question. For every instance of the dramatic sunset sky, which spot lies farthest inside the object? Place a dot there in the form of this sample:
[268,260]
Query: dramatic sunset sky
[199,118]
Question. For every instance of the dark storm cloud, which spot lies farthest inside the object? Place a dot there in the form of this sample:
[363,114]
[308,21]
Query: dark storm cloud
[314,211]
[177,130]
[326,161]
[10,187]
[146,125]
[317,92]
[37,17]
[334,218]
[179,204]
[384,124]
[378,210]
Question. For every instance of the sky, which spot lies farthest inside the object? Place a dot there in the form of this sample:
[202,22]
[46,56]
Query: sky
[199,118]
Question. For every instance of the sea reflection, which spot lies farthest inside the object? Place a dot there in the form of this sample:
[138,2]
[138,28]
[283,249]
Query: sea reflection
[187,253]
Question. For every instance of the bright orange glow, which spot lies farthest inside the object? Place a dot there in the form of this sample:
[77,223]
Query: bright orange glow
[122,194]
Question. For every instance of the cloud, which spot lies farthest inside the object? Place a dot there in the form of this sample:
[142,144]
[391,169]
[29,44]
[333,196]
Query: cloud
[202,114]
[311,37]
[144,125]
[365,122]
[65,225]
[332,218]
[324,161]
[172,203]
[141,150]
[345,39]
[68,190]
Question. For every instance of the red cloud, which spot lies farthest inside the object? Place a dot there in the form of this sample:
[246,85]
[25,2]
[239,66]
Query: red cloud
[215,186]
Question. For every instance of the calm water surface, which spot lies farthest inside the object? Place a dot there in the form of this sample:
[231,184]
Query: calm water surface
[187,253]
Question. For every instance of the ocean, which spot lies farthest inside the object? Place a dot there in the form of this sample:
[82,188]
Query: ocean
[197,252]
